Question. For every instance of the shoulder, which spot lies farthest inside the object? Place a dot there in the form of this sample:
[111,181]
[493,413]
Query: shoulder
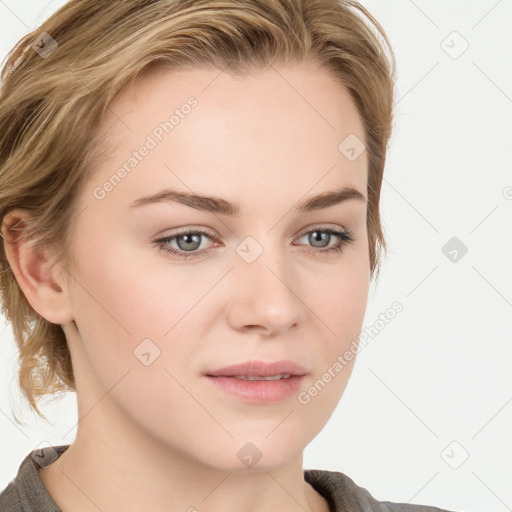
[342,493]
[26,492]
[9,499]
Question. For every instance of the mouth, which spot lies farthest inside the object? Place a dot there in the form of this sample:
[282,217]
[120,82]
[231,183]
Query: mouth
[257,382]
[259,370]
[279,376]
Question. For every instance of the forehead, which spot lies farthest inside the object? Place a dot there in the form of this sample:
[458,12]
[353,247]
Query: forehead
[279,126]
[308,88]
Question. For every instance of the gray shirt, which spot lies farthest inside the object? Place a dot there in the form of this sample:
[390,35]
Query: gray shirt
[27,493]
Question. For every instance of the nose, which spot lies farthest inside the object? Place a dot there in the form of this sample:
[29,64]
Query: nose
[266,294]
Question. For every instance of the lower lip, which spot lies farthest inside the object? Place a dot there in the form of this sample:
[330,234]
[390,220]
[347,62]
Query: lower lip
[258,391]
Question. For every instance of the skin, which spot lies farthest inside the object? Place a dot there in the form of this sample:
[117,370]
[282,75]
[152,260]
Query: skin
[156,437]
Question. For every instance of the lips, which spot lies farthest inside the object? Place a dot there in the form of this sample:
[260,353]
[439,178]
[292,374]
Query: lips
[259,369]
[257,382]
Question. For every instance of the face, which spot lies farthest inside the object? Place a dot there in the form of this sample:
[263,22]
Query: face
[169,291]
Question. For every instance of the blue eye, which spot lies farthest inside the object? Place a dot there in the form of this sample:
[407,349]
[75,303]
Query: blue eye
[191,241]
[344,237]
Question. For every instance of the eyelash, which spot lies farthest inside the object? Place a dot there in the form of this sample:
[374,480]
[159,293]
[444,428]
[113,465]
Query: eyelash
[345,236]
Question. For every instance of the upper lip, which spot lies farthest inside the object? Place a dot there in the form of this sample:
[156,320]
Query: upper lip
[259,369]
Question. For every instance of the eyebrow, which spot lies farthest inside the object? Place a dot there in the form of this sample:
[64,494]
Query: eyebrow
[221,206]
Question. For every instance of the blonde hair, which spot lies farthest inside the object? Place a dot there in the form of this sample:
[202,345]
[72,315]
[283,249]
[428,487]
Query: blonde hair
[52,105]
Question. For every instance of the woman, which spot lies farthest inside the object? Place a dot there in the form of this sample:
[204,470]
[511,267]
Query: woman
[190,223]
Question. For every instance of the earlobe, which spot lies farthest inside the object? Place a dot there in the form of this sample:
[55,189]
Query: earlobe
[31,268]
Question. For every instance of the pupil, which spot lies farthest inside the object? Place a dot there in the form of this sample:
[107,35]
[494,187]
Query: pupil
[189,240]
[318,235]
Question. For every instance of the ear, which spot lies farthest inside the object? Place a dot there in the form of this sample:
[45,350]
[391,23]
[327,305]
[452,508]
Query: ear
[41,285]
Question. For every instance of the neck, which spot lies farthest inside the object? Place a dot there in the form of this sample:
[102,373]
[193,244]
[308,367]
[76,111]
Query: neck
[112,465]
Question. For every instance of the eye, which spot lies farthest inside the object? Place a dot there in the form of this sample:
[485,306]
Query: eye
[189,241]
[321,236]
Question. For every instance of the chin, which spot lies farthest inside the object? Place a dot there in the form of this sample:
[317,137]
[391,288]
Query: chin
[258,454]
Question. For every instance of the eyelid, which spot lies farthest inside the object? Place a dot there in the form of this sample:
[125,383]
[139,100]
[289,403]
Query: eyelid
[321,227]
[213,236]
[345,237]
[191,229]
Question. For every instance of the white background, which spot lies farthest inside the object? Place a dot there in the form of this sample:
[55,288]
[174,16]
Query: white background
[441,370]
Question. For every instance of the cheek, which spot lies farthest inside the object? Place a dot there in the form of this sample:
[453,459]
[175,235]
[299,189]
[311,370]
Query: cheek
[339,305]
[133,316]
[339,297]
[113,309]
[122,316]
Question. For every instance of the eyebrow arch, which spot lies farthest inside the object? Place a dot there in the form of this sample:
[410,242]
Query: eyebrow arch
[221,206]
